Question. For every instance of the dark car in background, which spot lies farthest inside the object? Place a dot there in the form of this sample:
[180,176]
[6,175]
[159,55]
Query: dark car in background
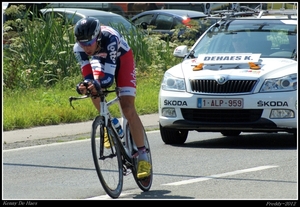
[166,20]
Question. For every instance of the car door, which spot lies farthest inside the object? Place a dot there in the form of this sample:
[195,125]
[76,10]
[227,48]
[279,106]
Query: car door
[164,23]
[144,20]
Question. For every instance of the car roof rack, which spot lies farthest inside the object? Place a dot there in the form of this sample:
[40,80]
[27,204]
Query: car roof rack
[224,15]
[288,12]
[242,11]
[245,11]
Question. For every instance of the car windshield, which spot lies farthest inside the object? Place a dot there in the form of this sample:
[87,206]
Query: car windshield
[115,21]
[270,39]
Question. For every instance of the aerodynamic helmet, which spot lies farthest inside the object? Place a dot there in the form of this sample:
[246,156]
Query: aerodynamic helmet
[87,31]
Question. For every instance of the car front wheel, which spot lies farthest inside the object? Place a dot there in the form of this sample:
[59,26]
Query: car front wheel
[173,136]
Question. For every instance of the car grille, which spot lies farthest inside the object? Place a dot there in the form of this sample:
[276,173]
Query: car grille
[230,86]
[222,115]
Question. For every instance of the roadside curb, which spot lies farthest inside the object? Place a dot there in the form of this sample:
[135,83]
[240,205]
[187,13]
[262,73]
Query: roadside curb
[150,122]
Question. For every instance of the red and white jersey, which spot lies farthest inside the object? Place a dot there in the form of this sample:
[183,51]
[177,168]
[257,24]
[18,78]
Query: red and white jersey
[106,60]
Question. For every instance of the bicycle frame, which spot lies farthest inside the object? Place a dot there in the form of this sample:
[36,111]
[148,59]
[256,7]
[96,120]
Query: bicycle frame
[116,159]
[127,147]
[128,143]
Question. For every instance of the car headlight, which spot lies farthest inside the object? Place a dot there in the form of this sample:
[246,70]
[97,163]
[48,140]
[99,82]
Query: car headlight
[286,83]
[171,83]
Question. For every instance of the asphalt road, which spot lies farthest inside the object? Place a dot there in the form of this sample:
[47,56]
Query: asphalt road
[207,167]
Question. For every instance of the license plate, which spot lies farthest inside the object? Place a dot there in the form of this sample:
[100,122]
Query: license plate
[236,103]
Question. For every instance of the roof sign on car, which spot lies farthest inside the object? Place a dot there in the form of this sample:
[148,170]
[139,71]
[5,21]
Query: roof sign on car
[223,58]
[216,59]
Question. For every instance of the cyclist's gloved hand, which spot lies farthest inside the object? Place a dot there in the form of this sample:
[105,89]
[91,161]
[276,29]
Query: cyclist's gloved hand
[88,86]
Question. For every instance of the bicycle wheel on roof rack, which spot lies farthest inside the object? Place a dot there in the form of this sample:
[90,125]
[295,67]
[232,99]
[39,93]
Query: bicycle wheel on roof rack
[107,157]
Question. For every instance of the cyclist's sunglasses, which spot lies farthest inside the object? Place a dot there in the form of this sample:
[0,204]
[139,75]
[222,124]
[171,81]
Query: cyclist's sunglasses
[87,43]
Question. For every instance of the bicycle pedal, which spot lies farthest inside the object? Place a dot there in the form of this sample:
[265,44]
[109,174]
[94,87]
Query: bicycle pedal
[126,171]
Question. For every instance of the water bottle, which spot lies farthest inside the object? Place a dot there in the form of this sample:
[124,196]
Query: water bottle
[118,127]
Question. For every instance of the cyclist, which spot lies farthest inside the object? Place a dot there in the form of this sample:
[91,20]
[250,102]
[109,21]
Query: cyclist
[104,55]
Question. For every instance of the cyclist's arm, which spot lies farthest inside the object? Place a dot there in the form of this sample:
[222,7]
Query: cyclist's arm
[83,59]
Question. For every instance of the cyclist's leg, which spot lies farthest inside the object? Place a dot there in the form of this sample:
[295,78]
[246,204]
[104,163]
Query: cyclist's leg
[134,121]
[139,137]
[96,102]
[146,182]
[127,83]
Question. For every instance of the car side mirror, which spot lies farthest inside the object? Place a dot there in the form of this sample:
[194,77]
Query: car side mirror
[180,51]
[144,25]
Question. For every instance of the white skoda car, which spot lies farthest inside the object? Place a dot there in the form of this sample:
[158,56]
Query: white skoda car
[240,76]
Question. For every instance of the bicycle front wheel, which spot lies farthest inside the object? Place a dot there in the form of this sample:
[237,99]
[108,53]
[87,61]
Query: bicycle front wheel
[107,158]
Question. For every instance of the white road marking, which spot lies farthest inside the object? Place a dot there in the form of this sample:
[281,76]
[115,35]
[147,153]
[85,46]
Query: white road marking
[45,145]
[123,194]
[107,197]
[184,182]
[57,143]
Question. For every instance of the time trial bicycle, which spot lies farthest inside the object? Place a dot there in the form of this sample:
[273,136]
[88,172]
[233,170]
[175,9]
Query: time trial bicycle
[119,159]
